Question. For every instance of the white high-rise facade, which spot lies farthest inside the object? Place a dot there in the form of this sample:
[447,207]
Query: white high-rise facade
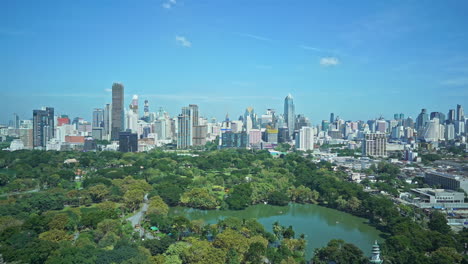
[305,140]
[289,115]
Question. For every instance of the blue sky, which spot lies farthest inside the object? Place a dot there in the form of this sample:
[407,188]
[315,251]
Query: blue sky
[358,59]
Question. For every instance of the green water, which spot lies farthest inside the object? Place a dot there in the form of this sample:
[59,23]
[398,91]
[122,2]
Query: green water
[319,224]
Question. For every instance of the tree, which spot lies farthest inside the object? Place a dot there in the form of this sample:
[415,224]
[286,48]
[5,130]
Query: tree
[230,239]
[446,255]
[339,252]
[157,206]
[55,235]
[255,253]
[202,252]
[98,192]
[438,223]
[133,199]
[240,198]
[278,198]
[59,222]
[199,198]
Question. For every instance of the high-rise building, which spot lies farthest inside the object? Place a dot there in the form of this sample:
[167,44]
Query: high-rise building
[43,126]
[305,139]
[449,131]
[98,117]
[332,118]
[438,115]
[325,125]
[107,121]
[16,121]
[451,116]
[184,133]
[199,135]
[374,144]
[132,115]
[289,116]
[128,142]
[460,113]
[194,113]
[117,110]
[431,131]
[421,120]
[146,109]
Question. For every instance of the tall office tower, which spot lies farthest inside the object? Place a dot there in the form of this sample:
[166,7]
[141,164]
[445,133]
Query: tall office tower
[132,115]
[451,116]
[107,121]
[146,109]
[325,125]
[16,121]
[381,126]
[199,135]
[460,113]
[396,116]
[332,118]
[249,112]
[128,142]
[289,116]
[409,122]
[184,133]
[302,121]
[438,115]
[431,131]
[422,120]
[402,116]
[117,117]
[305,139]
[98,117]
[194,112]
[449,131]
[374,144]
[43,126]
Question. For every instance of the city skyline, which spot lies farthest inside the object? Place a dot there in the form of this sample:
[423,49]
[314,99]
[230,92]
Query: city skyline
[391,57]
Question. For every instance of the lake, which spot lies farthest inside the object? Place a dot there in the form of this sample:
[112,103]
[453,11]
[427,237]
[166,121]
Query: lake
[318,224]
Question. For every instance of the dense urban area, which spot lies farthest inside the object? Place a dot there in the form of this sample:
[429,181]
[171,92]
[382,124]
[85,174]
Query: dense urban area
[73,191]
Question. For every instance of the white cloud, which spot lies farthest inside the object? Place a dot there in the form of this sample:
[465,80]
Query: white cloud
[254,37]
[183,41]
[329,61]
[169,4]
[108,90]
[456,81]
[310,48]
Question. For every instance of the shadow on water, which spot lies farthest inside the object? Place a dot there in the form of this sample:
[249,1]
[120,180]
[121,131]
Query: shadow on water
[319,224]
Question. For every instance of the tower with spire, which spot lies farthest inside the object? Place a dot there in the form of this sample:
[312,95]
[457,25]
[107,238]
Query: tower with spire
[375,258]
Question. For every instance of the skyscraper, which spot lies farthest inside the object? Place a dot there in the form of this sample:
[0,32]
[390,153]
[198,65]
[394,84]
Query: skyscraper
[43,126]
[289,116]
[422,119]
[374,144]
[194,113]
[451,116]
[117,110]
[107,121]
[332,118]
[98,117]
[305,139]
[132,115]
[16,121]
[128,142]
[460,113]
[184,133]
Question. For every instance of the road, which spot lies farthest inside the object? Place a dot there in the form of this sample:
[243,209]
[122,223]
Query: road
[138,216]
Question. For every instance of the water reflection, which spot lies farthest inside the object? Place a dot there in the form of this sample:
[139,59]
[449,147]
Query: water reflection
[319,224]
